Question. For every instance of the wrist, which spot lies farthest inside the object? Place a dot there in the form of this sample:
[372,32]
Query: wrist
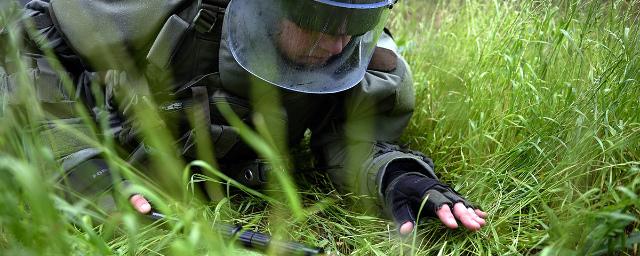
[399,168]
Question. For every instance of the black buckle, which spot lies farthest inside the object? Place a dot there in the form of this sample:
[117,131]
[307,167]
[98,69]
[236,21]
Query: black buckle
[205,21]
[253,173]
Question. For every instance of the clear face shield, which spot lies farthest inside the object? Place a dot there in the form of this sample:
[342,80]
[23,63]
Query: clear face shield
[311,46]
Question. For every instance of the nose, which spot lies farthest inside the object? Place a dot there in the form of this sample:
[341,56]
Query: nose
[334,44]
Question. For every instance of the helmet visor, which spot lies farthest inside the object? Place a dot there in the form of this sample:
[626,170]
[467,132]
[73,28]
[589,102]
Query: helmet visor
[320,46]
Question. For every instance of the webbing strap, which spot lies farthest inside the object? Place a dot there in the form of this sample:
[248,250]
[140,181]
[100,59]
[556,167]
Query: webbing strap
[201,114]
[207,17]
[205,21]
[201,98]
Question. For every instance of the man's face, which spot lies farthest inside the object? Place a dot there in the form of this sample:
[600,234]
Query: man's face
[308,48]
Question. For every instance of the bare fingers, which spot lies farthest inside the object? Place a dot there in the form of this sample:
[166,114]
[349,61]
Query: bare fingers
[462,214]
[472,219]
[140,204]
[406,228]
[480,213]
[475,216]
[447,218]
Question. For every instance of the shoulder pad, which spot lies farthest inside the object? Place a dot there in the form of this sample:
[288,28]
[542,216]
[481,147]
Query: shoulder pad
[105,32]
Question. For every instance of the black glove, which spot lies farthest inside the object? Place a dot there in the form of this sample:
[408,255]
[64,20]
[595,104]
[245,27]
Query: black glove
[405,191]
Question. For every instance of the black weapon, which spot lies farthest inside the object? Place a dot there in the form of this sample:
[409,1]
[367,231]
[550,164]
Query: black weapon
[256,240]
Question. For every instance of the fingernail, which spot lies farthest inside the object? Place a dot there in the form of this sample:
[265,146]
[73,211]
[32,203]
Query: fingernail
[453,223]
[406,228]
[144,208]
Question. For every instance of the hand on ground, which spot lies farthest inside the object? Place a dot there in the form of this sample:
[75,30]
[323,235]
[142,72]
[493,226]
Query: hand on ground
[472,219]
[405,194]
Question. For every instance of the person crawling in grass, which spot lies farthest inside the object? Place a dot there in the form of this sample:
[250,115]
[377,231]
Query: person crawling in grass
[333,66]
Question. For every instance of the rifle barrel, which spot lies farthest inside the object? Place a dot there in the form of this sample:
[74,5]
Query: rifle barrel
[256,240]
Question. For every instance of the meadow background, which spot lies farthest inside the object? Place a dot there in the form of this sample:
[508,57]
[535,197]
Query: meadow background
[529,108]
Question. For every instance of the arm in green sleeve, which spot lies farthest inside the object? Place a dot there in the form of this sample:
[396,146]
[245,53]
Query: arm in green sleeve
[355,141]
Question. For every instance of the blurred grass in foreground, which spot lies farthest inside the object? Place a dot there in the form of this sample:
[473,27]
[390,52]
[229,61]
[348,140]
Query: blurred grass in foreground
[530,108]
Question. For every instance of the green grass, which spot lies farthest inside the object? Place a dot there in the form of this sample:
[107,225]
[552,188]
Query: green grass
[530,108]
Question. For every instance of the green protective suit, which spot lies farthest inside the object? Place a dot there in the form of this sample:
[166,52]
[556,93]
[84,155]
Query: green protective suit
[352,132]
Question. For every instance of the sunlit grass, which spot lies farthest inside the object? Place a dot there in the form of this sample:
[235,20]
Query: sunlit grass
[530,108]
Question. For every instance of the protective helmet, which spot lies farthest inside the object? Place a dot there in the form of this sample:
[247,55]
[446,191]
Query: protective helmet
[311,46]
